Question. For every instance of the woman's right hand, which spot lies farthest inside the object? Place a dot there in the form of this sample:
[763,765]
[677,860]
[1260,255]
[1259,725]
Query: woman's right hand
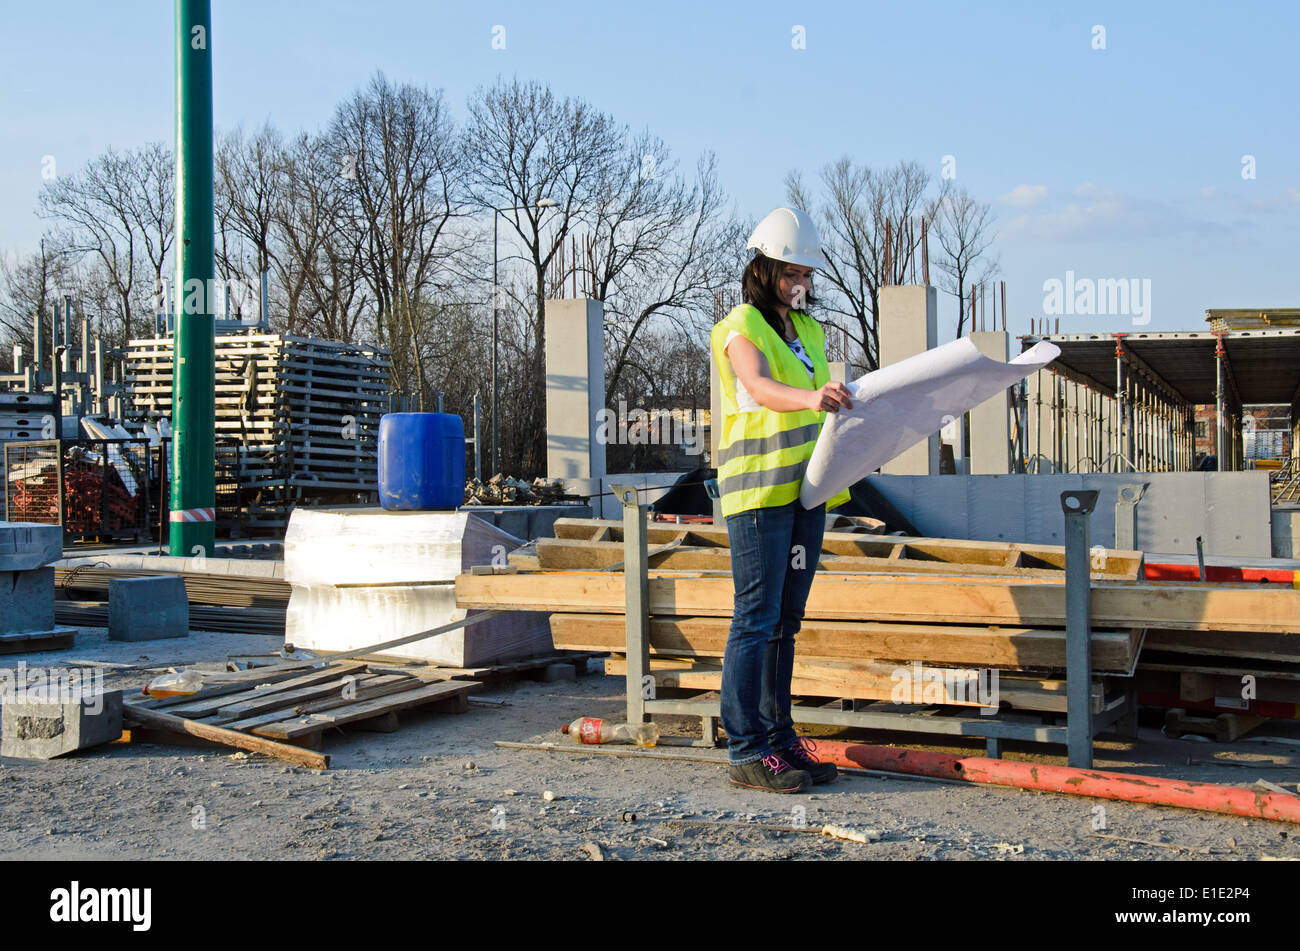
[830,397]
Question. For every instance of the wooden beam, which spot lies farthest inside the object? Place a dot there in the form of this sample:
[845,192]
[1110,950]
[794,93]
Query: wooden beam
[243,741]
[1032,602]
[868,681]
[564,554]
[961,551]
[1002,647]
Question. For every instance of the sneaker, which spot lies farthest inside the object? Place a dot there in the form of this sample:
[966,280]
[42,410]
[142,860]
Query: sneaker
[771,773]
[800,757]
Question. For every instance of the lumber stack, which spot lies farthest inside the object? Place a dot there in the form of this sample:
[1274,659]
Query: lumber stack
[298,417]
[886,617]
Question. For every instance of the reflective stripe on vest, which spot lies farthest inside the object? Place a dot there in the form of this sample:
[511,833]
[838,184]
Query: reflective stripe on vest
[761,445]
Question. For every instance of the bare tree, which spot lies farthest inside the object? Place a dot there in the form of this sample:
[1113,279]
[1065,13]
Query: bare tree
[863,252]
[525,145]
[404,166]
[249,181]
[319,265]
[662,249]
[121,209]
[963,229]
[33,285]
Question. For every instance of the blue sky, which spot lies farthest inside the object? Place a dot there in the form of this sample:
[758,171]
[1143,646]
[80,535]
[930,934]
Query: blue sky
[1123,162]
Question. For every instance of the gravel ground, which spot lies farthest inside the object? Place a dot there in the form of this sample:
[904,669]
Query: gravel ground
[440,789]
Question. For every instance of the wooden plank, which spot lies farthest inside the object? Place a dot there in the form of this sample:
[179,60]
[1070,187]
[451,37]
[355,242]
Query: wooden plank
[562,554]
[873,681]
[955,599]
[209,700]
[265,700]
[243,741]
[364,710]
[1119,564]
[378,687]
[1010,648]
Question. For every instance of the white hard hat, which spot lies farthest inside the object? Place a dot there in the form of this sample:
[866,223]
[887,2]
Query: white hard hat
[788,234]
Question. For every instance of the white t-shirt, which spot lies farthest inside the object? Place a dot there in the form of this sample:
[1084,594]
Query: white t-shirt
[746,403]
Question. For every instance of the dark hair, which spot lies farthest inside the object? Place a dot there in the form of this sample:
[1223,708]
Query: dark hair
[759,286]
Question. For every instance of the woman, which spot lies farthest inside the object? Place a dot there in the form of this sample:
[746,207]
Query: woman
[776,391]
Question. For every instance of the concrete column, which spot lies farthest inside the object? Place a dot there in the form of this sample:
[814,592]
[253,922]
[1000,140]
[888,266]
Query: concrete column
[908,324]
[990,422]
[576,418]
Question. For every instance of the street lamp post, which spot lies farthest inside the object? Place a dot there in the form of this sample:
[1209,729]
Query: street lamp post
[496,449]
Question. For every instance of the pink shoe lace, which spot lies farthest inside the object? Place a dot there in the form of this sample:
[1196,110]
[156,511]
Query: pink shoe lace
[776,764]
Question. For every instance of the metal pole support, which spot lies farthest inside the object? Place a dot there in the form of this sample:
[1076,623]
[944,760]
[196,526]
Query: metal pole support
[636,586]
[1078,506]
[1126,515]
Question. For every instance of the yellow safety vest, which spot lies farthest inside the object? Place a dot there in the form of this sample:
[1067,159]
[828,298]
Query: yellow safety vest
[762,454]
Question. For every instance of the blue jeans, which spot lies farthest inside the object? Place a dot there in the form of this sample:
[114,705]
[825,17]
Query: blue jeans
[774,554]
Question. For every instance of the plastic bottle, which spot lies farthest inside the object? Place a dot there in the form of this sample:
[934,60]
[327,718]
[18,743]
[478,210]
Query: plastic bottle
[593,730]
[174,684]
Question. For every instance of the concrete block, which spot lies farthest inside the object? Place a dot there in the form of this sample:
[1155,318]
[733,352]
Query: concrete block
[26,600]
[45,722]
[556,672]
[145,609]
[26,545]
[1285,530]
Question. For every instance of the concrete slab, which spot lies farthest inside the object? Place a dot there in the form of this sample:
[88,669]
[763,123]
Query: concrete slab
[145,609]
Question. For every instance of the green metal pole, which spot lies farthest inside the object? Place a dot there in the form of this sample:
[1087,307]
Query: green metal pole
[193,378]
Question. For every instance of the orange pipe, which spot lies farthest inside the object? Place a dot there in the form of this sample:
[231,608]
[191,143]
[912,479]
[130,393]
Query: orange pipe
[1099,784]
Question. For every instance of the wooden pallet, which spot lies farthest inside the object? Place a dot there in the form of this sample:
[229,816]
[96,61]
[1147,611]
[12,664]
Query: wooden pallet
[296,706]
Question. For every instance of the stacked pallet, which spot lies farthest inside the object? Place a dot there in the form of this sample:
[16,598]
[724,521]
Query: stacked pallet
[889,618]
[298,417]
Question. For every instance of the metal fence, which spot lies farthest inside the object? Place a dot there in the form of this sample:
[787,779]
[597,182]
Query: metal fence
[93,488]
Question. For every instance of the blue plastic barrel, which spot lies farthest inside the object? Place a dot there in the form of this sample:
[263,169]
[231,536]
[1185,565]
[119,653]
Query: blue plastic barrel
[421,461]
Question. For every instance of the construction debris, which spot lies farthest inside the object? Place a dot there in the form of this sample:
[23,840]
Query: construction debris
[505,490]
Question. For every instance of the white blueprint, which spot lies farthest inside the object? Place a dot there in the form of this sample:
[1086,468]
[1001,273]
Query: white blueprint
[897,406]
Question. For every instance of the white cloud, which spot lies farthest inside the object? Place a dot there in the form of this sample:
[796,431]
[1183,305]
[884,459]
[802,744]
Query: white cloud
[1097,212]
[1024,196]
